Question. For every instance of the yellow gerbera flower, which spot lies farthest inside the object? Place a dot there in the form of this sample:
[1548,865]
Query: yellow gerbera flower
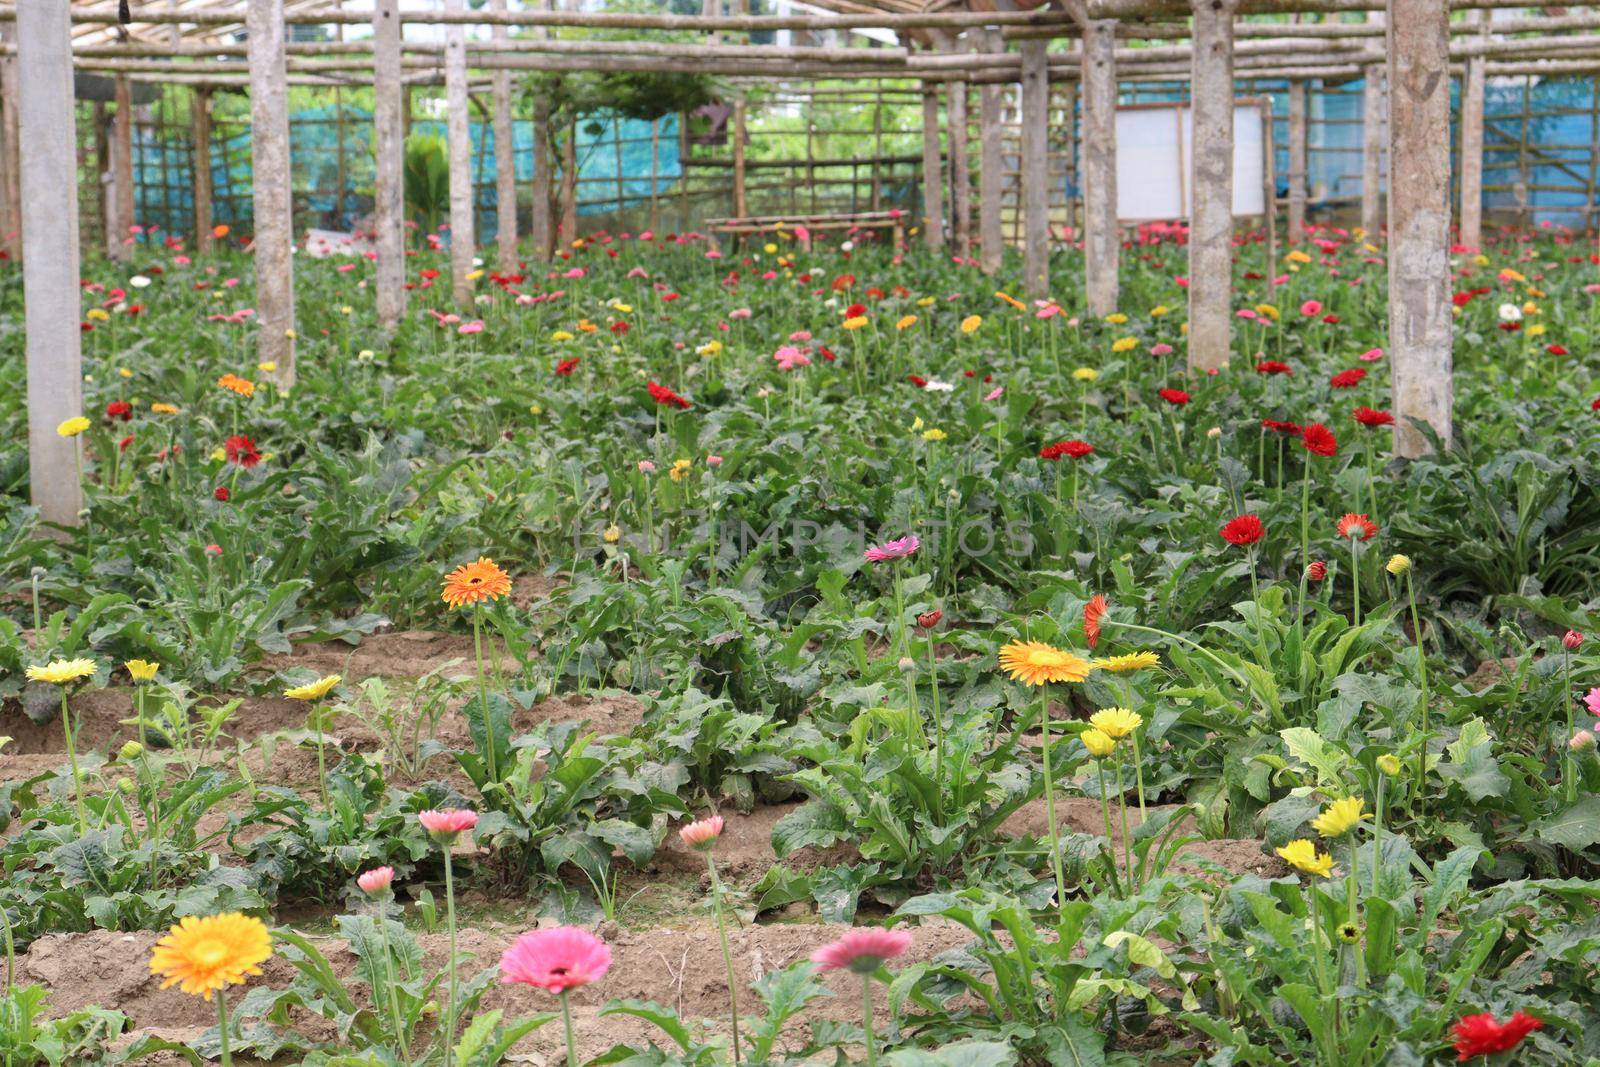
[612,534]
[1085,374]
[971,323]
[1340,817]
[62,671]
[1116,722]
[141,670]
[1116,318]
[906,322]
[164,409]
[680,469]
[1035,663]
[1131,661]
[855,323]
[1303,856]
[1398,564]
[1097,742]
[1124,344]
[561,335]
[313,690]
[934,434]
[203,955]
[73,426]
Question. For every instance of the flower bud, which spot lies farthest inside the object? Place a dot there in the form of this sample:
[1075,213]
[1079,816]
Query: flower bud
[125,784]
[1389,764]
[1398,564]
[130,751]
[931,619]
[1582,741]
[1317,570]
[907,664]
[1572,640]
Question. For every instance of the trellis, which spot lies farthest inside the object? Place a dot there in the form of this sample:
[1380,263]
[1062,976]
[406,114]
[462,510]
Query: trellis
[1405,61]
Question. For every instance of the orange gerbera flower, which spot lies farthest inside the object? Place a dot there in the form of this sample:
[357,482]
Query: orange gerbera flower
[203,955]
[1035,663]
[1092,613]
[472,583]
[234,383]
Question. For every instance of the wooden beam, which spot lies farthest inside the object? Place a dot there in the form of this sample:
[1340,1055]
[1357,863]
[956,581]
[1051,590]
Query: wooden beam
[1211,187]
[50,259]
[1419,222]
[1138,9]
[1297,160]
[932,183]
[1102,237]
[1372,105]
[200,132]
[122,215]
[960,171]
[273,195]
[505,158]
[458,127]
[1472,100]
[388,140]
[991,163]
[1035,136]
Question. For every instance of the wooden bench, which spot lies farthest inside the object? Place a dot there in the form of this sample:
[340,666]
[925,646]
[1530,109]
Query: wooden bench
[893,221]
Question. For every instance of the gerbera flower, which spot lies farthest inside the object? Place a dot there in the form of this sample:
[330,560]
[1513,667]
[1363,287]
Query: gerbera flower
[313,690]
[1035,663]
[899,548]
[1303,856]
[1372,418]
[1176,397]
[473,583]
[1319,440]
[566,367]
[1482,1035]
[1347,379]
[666,397]
[1273,366]
[203,955]
[1243,530]
[62,671]
[73,426]
[1130,661]
[555,960]
[702,832]
[241,450]
[862,950]
[1116,722]
[1073,449]
[1093,612]
[1340,817]
[119,409]
[1356,526]
[1289,429]
[235,384]
[1099,743]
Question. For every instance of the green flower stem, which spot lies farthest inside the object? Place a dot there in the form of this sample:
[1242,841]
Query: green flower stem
[566,1018]
[1122,805]
[727,955]
[322,765]
[1422,674]
[1050,807]
[1355,582]
[450,920]
[222,1027]
[392,979]
[938,725]
[483,691]
[72,757]
[866,1020]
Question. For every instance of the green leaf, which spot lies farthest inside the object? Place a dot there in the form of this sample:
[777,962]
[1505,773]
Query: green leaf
[1576,826]
[960,1054]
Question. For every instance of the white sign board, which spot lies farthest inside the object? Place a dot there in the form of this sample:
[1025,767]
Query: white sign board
[1155,160]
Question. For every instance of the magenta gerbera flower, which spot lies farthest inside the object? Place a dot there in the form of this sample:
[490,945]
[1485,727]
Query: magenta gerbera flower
[862,951]
[555,960]
[897,549]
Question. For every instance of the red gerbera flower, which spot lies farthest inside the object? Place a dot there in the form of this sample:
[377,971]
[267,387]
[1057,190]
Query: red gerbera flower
[1093,611]
[1347,379]
[1372,418]
[1482,1035]
[917,380]
[1319,440]
[241,450]
[1316,570]
[1273,366]
[1175,397]
[1556,350]
[119,409]
[1243,530]
[1594,405]
[1292,429]
[855,311]
[1071,449]
[567,366]
[221,493]
[666,397]
[1356,526]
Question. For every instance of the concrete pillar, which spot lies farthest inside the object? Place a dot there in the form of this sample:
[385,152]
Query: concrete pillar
[1472,100]
[991,163]
[1372,106]
[932,182]
[1419,221]
[389,140]
[273,196]
[1035,137]
[1211,187]
[1298,158]
[50,259]
[1102,237]
[505,160]
[458,127]
[10,150]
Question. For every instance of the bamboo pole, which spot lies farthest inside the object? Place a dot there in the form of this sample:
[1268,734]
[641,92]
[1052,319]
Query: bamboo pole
[1419,217]
[1035,136]
[1297,161]
[50,261]
[960,171]
[505,159]
[200,127]
[1211,188]
[1102,236]
[991,162]
[1372,101]
[458,126]
[273,196]
[932,183]
[122,217]
[388,138]
[1472,100]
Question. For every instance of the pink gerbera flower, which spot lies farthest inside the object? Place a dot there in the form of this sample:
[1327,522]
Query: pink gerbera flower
[862,951]
[702,832]
[897,549]
[555,960]
[1591,700]
[376,880]
[448,822]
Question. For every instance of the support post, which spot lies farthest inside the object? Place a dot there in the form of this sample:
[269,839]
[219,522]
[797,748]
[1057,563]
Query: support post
[991,161]
[1419,221]
[505,159]
[1211,187]
[1297,161]
[544,162]
[200,130]
[1472,100]
[273,197]
[960,171]
[1102,238]
[569,185]
[1035,166]
[1372,144]
[932,182]
[389,145]
[458,129]
[10,150]
[117,246]
[741,206]
[50,260]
